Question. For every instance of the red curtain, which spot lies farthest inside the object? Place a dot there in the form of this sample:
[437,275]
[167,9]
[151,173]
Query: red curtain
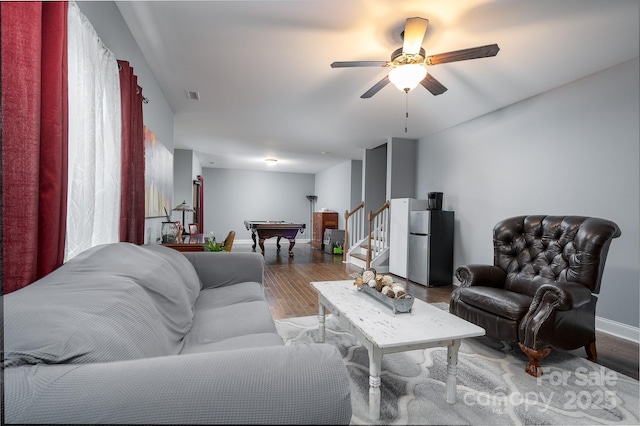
[132,198]
[34,139]
[201,204]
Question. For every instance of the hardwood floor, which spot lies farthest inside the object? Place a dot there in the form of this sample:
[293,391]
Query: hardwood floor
[290,295]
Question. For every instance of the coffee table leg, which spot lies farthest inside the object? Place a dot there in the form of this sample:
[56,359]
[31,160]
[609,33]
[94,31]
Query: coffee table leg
[320,323]
[452,368]
[375,363]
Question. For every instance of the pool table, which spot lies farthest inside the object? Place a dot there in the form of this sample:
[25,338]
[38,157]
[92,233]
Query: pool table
[268,229]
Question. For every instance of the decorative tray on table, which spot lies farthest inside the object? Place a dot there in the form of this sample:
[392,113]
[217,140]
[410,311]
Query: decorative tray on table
[384,290]
[399,305]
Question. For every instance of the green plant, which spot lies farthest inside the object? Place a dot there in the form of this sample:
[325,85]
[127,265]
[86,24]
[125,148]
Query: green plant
[213,246]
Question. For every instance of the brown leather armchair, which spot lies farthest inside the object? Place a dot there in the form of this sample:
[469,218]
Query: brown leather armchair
[541,290]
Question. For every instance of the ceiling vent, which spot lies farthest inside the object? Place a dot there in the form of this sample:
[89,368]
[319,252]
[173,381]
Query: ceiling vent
[194,96]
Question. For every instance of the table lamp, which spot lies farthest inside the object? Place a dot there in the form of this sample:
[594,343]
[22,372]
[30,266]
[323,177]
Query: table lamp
[185,208]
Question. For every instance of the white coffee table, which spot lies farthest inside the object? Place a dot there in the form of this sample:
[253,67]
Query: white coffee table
[381,332]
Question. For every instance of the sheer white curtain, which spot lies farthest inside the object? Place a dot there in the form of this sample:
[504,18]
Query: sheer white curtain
[93,208]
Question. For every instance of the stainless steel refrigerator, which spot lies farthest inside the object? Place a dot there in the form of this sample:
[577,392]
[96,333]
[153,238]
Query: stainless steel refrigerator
[430,253]
[399,233]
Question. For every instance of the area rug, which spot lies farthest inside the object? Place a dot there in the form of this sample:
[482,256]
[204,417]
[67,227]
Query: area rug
[493,388]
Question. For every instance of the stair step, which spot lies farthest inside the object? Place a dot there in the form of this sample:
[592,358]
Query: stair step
[373,243]
[359,256]
[359,263]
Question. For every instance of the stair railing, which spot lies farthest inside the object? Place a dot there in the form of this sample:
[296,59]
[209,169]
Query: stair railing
[378,231]
[353,220]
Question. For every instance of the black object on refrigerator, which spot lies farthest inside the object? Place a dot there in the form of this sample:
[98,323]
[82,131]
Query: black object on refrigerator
[434,201]
[430,254]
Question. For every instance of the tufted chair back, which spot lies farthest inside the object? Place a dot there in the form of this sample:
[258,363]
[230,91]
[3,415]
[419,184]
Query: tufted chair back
[536,250]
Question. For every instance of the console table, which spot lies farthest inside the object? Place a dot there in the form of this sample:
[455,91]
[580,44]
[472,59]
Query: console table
[188,243]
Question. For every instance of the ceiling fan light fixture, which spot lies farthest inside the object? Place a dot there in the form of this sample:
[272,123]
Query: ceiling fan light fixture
[407,77]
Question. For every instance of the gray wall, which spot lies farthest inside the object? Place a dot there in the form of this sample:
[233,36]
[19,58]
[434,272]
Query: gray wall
[158,116]
[375,178]
[337,190]
[573,150]
[233,196]
[401,168]
[356,183]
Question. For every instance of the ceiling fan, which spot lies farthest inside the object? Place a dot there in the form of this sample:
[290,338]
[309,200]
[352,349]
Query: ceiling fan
[409,60]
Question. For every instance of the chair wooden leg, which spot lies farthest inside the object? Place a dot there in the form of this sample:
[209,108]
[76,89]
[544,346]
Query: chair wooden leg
[590,349]
[533,367]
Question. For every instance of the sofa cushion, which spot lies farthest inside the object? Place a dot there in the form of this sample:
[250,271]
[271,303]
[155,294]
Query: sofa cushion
[257,340]
[211,325]
[224,296]
[112,302]
[173,280]
[97,319]
[165,274]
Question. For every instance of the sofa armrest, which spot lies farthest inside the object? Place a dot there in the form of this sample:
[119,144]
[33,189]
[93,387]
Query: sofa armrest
[297,384]
[219,269]
[483,275]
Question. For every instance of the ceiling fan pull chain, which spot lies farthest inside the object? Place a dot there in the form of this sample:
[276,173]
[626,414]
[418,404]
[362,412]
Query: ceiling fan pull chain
[406,113]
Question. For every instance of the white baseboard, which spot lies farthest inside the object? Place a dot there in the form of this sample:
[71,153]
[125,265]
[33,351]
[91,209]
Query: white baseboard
[618,329]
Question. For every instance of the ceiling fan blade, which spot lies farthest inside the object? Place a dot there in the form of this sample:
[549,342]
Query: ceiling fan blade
[463,55]
[376,88]
[414,31]
[348,64]
[434,86]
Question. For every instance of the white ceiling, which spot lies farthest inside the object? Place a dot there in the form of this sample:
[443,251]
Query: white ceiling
[262,68]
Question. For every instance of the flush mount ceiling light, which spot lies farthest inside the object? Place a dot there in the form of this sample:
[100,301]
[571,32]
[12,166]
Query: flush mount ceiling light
[271,161]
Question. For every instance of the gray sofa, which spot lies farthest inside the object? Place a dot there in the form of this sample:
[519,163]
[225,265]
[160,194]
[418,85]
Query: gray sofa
[145,334]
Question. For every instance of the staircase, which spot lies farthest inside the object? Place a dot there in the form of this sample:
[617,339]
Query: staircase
[370,248]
